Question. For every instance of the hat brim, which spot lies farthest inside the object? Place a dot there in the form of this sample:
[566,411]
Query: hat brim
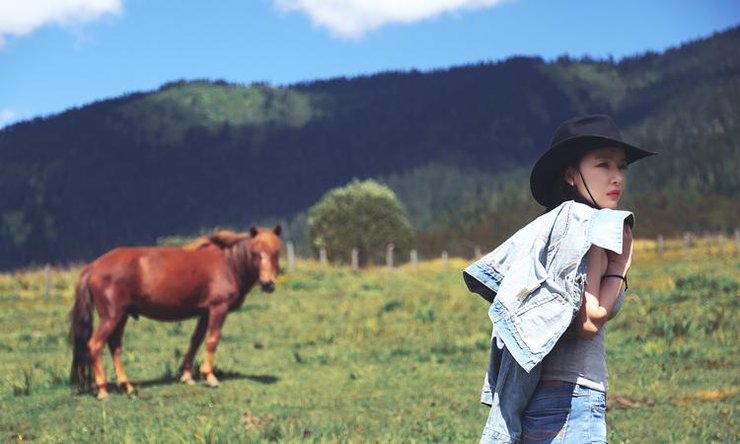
[550,165]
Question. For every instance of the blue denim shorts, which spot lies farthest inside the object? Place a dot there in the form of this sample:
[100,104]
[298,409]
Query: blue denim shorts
[564,413]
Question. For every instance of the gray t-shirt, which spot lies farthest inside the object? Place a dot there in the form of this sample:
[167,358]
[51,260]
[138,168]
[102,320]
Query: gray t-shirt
[580,361]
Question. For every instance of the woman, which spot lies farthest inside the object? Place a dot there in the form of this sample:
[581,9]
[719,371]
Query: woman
[553,285]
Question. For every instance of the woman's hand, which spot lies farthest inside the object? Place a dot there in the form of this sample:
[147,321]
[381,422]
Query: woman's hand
[620,263]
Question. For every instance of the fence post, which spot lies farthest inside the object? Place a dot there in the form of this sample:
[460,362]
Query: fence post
[291,256]
[355,259]
[687,243]
[322,257]
[444,260]
[737,241]
[414,259]
[47,281]
[389,255]
[477,252]
[661,245]
[708,241]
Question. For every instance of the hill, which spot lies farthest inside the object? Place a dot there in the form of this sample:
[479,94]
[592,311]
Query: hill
[455,144]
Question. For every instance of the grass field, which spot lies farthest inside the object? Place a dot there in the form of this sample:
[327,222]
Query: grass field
[375,356]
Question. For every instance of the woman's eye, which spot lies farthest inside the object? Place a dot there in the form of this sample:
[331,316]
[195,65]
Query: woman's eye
[623,167]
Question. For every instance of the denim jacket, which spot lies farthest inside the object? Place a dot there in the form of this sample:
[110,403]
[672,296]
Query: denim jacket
[534,281]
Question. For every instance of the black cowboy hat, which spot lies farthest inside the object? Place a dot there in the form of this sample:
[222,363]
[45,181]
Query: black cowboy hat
[574,138]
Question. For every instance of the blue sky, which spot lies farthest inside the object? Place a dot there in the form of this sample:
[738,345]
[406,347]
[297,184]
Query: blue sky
[58,54]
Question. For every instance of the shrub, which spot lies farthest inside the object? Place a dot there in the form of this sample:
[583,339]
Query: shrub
[363,215]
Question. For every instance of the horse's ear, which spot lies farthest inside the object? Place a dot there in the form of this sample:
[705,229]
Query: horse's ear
[278,229]
[253,231]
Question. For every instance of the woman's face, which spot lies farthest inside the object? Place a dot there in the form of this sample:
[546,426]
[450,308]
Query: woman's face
[604,171]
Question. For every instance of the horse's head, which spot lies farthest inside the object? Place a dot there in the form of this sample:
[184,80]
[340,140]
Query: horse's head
[264,250]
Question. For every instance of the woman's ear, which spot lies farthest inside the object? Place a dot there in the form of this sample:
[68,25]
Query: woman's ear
[569,176]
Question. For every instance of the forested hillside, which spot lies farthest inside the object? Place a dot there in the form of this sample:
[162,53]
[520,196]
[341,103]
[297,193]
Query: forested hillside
[454,144]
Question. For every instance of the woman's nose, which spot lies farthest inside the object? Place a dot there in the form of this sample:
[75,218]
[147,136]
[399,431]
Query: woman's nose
[618,177]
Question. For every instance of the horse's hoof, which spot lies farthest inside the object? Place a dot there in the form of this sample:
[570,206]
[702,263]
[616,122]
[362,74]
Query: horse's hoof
[187,378]
[212,381]
[126,387]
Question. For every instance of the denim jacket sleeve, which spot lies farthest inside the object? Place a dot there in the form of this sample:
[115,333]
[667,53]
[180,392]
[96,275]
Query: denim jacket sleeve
[485,275]
[531,312]
[605,228]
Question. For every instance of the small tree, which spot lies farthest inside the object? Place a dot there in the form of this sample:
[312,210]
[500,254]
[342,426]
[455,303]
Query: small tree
[364,215]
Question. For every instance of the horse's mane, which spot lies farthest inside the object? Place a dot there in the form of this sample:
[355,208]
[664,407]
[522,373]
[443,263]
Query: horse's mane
[224,239]
[236,251]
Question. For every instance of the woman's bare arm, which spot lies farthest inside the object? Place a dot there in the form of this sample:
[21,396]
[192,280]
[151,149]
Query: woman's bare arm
[602,291]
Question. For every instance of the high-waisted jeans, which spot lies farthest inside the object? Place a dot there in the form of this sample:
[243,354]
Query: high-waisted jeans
[565,413]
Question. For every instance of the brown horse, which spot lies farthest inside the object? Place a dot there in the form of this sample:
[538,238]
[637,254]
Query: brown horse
[205,279]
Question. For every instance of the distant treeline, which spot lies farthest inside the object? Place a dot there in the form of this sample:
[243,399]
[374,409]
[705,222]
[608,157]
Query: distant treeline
[454,144]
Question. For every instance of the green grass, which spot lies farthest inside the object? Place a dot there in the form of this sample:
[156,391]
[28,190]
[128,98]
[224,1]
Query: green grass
[378,356]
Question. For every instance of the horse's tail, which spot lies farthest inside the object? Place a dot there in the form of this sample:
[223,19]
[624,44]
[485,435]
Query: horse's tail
[80,331]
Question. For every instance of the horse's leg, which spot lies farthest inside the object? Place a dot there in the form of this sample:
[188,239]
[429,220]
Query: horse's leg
[95,345]
[216,317]
[114,345]
[186,370]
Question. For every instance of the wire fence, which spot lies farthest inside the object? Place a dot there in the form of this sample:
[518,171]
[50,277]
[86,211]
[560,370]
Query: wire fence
[688,245]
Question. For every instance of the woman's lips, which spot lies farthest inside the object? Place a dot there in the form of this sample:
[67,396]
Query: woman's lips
[614,193]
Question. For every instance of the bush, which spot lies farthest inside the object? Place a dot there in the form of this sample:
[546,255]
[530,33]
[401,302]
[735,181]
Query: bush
[363,215]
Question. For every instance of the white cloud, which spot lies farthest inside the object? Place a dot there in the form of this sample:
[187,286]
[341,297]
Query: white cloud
[353,18]
[21,17]
[8,116]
